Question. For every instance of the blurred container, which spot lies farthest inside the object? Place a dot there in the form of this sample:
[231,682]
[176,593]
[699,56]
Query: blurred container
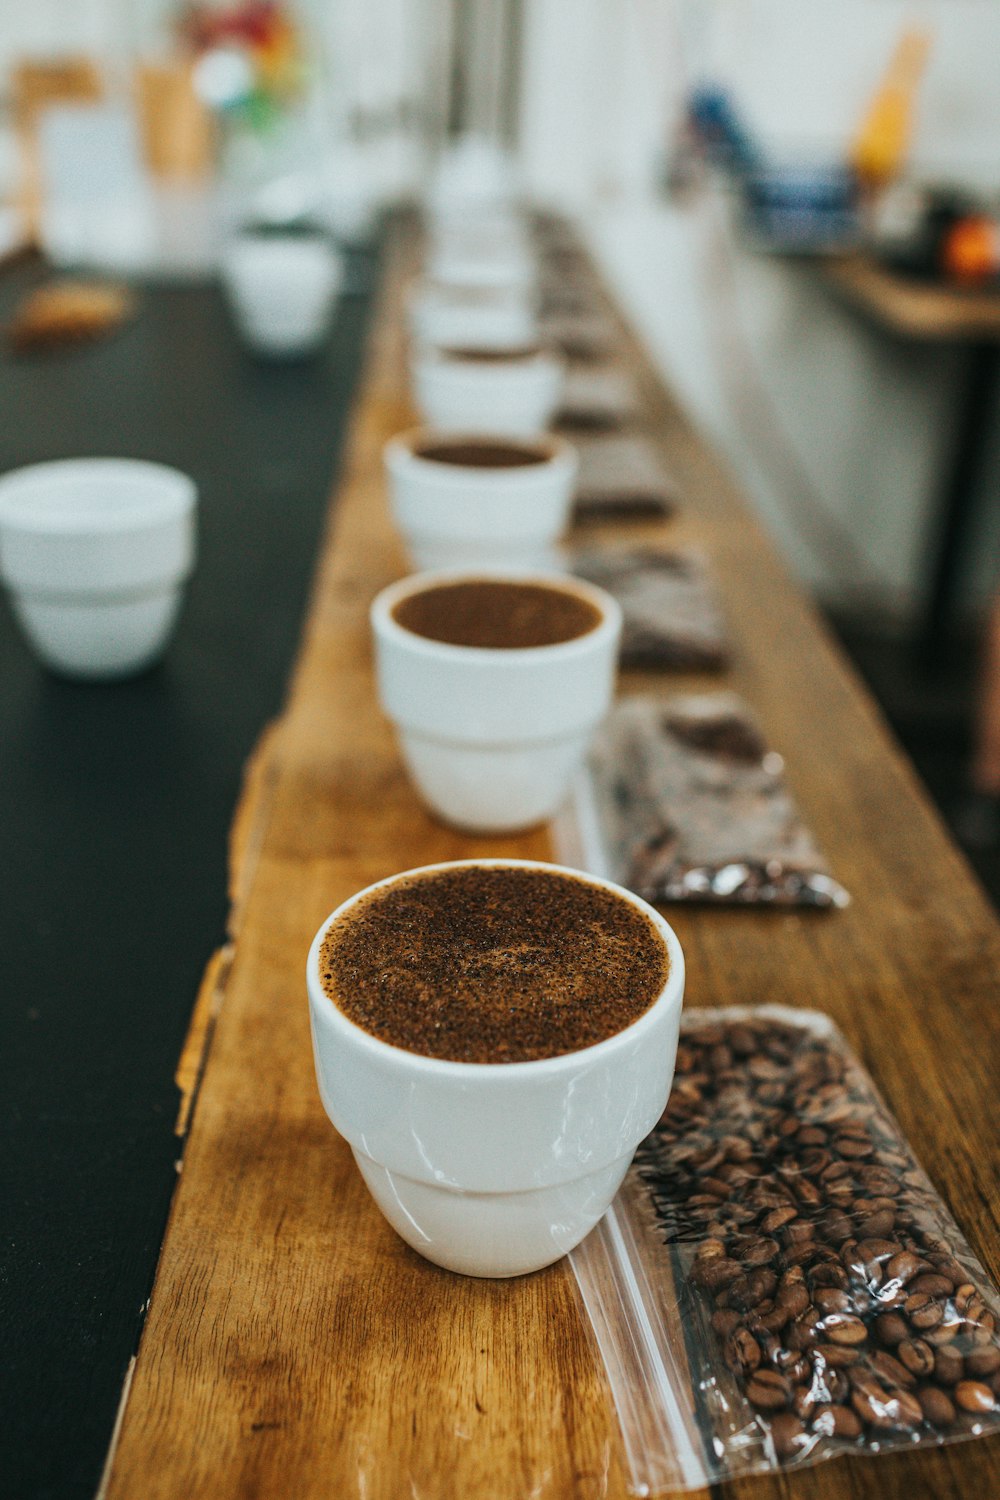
[281,289]
[492,391]
[95,553]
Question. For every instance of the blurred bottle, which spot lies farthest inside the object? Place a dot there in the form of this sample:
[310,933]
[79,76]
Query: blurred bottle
[883,141]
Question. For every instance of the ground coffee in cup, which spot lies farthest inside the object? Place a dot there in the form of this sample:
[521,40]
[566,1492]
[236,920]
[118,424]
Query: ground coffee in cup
[497,614]
[493,963]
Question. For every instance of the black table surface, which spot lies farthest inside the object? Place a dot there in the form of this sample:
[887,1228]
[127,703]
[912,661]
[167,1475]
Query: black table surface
[115,806]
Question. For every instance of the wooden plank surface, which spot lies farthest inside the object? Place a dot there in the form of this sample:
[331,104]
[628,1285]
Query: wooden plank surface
[912,308]
[294,1346]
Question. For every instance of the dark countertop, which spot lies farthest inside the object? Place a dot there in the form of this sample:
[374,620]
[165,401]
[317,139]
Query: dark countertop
[115,806]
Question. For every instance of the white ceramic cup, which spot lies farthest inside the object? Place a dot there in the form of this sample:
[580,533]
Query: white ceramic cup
[472,317]
[514,391]
[95,552]
[492,737]
[469,261]
[281,290]
[451,515]
[496,1169]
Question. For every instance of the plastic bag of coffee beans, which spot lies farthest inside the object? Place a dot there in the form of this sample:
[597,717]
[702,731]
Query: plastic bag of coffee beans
[672,617]
[778,1282]
[684,801]
[621,477]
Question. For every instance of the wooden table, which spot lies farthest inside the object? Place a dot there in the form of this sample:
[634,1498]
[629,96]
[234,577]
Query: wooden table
[294,1346]
[938,313]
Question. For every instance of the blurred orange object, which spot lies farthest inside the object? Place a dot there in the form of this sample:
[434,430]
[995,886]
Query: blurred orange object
[970,251]
[882,142]
[177,130]
[35,87]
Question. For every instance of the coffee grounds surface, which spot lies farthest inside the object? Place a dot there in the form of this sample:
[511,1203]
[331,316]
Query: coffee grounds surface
[493,964]
[497,614]
[484,455]
[491,356]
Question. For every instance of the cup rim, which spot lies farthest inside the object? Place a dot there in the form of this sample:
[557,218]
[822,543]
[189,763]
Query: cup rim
[173,498]
[400,453]
[388,628]
[671,994]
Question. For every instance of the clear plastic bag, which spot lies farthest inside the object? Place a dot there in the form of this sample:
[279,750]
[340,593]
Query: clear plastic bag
[602,397]
[673,621]
[778,1282]
[683,801]
[622,475]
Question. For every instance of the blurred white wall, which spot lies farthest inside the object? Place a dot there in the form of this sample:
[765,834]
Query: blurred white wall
[816,410]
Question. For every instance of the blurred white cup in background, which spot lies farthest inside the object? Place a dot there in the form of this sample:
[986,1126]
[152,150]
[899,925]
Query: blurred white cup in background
[95,552]
[281,289]
[462,499]
[486,390]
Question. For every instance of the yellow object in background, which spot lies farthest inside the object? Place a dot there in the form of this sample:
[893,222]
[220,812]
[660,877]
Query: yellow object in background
[882,143]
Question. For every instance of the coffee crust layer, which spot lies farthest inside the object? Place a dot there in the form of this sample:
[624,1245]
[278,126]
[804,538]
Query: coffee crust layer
[497,615]
[493,964]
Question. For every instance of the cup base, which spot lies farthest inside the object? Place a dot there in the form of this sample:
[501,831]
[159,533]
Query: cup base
[492,1235]
[100,640]
[493,788]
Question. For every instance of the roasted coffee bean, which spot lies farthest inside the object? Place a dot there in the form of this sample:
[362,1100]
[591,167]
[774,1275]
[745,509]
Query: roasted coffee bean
[949,1328]
[834,1227]
[936,1406]
[831,1300]
[830,1275]
[844,1328]
[776,1218]
[836,1421]
[724,1321]
[794,1298]
[933,1284]
[852,1146]
[838,1356]
[716,1273]
[754,1250]
[917,1355]
[983,1361]
[879,1223]
[923,1311]
[787,1434]
[949,1366]
[903,1267]
[891,1370]
[878,1180]
[891,1329]
[885,1409]
[975,1396]
[742,1351]
[768,1390]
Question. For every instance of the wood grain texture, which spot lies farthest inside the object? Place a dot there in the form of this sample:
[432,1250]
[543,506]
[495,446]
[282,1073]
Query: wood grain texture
[294,1346]
[912,308]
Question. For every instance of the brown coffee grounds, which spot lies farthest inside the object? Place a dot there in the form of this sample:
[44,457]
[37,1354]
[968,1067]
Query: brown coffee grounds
[471,455]
[498,615]
[493,964]
[491,356]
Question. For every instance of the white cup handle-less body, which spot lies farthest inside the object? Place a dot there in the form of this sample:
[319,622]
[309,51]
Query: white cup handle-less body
[492,738]
[496,1169]
[95,553]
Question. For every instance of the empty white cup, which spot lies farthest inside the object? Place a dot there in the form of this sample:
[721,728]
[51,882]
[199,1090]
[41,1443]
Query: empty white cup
[498,391]
[472,317]
[496,1169]
[95,552]
[453,514]
[281,290]
[492,737]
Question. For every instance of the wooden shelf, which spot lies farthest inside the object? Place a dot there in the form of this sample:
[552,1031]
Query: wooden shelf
[915,309]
